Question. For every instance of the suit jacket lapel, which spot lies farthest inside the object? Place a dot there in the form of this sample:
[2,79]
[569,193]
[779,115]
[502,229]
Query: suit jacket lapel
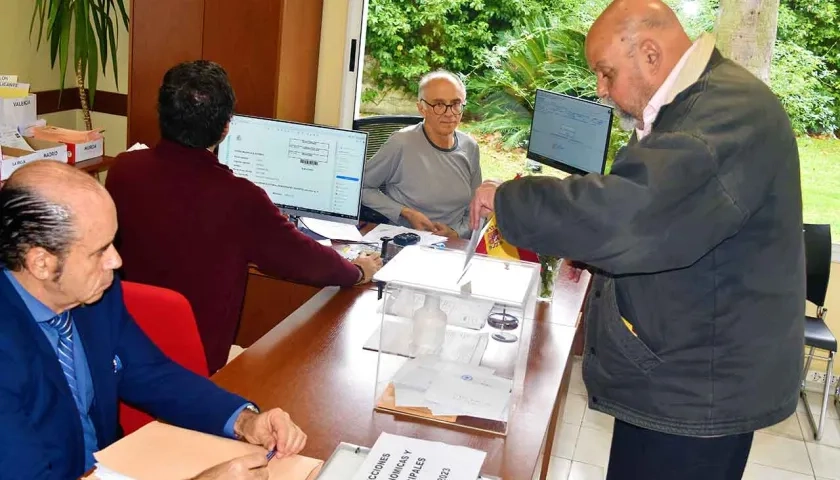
[21,314]
[52,369]
[98,358]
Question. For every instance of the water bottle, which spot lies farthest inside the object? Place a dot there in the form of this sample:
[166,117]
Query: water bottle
[428,328]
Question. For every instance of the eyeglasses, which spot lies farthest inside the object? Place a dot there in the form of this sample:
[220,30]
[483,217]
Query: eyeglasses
[440,108]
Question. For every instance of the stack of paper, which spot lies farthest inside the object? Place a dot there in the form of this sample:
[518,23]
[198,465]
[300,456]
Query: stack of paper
[395,457]
[164,452]
[10,137]
[104,473]
[332,230]
[452,389]
[17,105]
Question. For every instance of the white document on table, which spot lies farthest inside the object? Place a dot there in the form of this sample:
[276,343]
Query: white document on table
[332,230]
[9,137]
[104,473]
[426,238]
[394,457]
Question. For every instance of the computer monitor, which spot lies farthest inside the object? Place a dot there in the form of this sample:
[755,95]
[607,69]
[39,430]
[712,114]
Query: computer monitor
[569,133]
[306,170]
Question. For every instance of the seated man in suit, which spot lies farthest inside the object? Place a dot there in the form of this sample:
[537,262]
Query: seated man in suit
[187,223]
[429,170]
[69,350]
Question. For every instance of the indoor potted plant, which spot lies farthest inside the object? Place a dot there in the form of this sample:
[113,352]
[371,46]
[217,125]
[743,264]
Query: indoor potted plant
[90,23]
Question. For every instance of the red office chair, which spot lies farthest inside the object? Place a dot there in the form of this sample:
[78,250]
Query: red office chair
[167,318]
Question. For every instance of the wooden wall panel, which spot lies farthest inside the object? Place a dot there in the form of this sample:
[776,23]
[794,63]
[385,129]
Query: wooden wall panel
[299,53]
[268,47]
[163,34]
[244,37]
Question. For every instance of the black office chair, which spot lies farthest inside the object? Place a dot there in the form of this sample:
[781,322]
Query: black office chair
[817,333]
[379,129]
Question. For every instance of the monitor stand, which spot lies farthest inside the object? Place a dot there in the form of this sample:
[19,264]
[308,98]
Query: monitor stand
[295,219]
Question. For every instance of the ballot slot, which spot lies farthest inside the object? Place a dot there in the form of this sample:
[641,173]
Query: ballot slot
[449,354]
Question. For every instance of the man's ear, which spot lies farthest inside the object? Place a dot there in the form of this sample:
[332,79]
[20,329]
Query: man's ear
[420,108]
[40,263]
[650,53]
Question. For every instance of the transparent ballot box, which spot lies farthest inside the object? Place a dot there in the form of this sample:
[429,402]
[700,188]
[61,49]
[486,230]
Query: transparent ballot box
[453,342]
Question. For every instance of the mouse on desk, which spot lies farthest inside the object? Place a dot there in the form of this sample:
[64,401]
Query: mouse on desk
[406,239]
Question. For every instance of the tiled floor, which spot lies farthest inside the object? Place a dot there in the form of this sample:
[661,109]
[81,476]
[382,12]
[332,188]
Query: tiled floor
[786,451]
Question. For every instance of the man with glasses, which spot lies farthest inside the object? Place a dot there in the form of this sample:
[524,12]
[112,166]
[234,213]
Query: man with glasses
[428,170]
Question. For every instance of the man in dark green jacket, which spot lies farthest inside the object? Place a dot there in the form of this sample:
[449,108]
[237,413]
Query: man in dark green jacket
[695,316]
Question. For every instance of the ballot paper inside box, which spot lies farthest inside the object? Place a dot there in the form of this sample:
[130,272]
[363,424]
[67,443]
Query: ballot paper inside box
[453,344]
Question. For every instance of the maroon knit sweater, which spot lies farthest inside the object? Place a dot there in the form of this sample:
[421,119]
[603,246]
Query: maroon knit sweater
[188,224]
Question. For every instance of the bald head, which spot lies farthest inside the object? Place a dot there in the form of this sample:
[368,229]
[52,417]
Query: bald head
[55,181]
[57,227]
[633,46]
[632,17]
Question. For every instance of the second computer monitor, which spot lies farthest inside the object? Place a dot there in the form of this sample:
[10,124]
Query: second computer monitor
[570,133]
[306,170]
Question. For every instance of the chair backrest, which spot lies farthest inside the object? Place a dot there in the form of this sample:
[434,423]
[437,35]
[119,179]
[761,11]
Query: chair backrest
[167,318]
[380,127]
[817,262]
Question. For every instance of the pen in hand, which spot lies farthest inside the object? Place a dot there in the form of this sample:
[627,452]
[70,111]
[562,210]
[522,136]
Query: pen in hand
[270,455]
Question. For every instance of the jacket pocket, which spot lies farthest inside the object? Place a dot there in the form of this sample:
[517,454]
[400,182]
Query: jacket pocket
[630,345]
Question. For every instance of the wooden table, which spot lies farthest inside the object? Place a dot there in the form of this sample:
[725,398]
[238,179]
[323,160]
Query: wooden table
[313,366]
[268,300]
[95,166]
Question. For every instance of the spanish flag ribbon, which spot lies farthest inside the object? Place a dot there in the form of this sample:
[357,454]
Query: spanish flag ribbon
[492,244]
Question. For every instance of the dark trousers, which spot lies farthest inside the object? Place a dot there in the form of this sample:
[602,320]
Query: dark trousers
[641,454]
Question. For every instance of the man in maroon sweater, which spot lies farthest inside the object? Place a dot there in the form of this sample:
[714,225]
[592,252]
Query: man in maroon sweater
[188,224]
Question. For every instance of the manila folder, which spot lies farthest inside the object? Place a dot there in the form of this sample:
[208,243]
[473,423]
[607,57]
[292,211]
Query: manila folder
[163,452]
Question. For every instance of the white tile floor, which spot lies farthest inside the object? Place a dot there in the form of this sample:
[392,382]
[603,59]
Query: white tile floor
[786,451]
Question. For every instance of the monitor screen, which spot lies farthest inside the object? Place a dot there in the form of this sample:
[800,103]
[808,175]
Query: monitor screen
[306,170]
[570,133]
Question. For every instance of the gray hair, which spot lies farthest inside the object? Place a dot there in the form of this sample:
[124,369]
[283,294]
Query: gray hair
[437,75]
[29,220]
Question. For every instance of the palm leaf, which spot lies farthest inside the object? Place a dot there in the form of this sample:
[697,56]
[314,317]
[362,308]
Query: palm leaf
[91,25]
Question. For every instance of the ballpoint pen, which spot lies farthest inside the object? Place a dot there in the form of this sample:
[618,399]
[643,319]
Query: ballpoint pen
[270,455]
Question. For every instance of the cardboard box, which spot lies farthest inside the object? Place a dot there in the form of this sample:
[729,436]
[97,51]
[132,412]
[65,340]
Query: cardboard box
[18,111]
[14,158]
[79,152]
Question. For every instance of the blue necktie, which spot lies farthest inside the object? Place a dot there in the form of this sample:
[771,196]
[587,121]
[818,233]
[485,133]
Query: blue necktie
[63,324]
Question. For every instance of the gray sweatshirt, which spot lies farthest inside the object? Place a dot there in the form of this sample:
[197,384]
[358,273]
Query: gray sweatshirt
[417,174]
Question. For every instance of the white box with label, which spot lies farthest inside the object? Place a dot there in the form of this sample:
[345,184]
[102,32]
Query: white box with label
[14,158]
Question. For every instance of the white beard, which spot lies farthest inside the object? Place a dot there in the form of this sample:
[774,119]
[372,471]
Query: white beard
[626,121]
